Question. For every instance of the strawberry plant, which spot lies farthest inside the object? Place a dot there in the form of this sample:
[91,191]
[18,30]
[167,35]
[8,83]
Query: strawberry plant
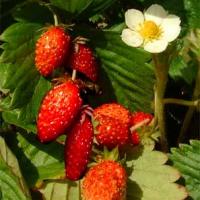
[99,100]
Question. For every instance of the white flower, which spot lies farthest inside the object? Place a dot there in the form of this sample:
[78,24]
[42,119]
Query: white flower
[153,29]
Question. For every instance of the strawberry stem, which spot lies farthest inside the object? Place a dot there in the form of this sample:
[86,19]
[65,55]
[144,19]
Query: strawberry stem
[55,19]
[74,75]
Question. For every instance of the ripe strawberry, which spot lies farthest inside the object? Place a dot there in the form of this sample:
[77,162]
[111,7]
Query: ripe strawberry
[135,138]
[138,117]
[51,49]
[105,181]
[141,119]
[78,148]
[113,121]
[83,60]
[58,110]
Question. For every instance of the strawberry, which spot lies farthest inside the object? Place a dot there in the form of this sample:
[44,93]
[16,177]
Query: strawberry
[83,60]
[51,49]
[105,181]
[139,119]
[78,148]
[135,138]
[112,125]
[58,110]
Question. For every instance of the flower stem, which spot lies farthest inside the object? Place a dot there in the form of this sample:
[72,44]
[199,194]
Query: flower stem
[191,110]
[182,102]
[161,73]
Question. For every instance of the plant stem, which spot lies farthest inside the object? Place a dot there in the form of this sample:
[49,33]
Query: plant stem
[74,75]
[55,19]
[182,102]
[190,112]
[51,10]
[161,73]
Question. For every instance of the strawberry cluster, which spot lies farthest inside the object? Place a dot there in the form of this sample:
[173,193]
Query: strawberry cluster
[55,48]
[62,111]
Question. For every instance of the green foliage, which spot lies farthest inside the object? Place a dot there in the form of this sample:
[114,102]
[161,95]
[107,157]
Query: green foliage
[23,13]
[39,161]
[126,75]
[98,6]
[186,158]
[12,185]
[72,6]
[192,7]
[86,7]
[151,179]
[25,117]
[62,190]
[21,83]
[179,69]
[17,63]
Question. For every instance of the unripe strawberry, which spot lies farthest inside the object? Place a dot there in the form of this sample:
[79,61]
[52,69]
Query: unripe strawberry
[58,110]
[51,49]
[105,181]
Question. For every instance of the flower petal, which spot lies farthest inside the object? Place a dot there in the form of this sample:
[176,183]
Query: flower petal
[156,46]
[155,13]
[171,27]
[133,18]
[131,38]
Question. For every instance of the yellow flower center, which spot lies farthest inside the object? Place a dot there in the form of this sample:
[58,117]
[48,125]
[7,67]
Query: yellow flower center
[149,30]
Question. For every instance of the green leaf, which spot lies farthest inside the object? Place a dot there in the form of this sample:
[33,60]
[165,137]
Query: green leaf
[126,75]
[192,7]
[62,190]
[12,184]
[39,161]
[72,6]
[151,178]
[22,85]
[186,159]
[97,6]
[179,69]
[24,13]
[17,62]
[25,117]
[85,7]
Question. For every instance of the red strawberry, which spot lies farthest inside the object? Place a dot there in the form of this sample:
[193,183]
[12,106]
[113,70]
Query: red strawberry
[83,60]
[105,181]
[135,138]
[51,49]
[140,119]
[78,148]
[58,110]
[113,121]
